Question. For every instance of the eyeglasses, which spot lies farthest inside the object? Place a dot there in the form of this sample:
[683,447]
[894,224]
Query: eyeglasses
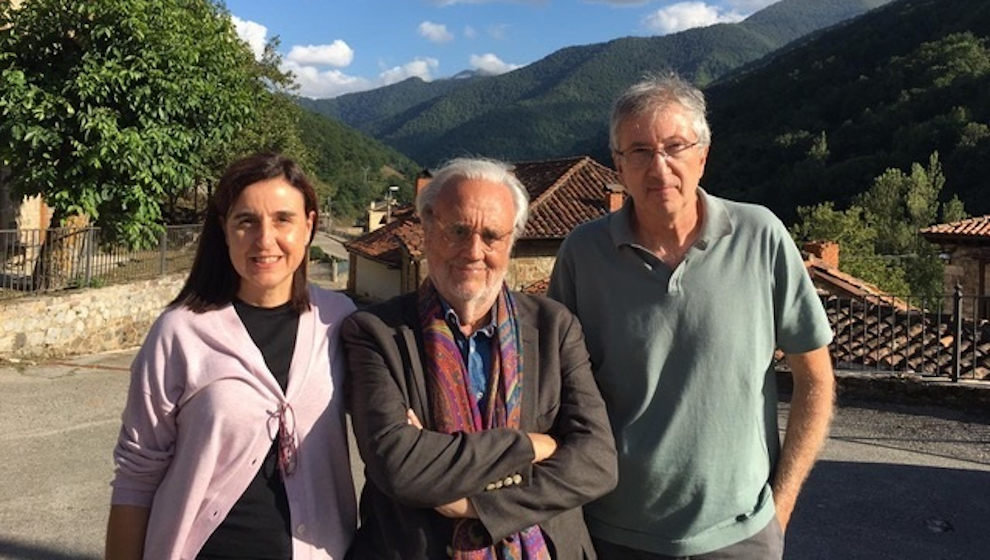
[642,157]
[461,235]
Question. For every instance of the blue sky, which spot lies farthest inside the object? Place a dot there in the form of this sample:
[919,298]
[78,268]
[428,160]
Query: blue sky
[342,46]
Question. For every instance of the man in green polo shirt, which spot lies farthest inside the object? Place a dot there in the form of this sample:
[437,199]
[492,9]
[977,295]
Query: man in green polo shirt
[683,297]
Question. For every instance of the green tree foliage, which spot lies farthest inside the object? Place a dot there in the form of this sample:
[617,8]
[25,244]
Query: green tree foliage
[856,240]
[275,125]
[111,107]
[886,89]
[878,235]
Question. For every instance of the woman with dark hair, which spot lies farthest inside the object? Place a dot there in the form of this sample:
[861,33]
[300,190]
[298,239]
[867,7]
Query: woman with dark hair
[233,442]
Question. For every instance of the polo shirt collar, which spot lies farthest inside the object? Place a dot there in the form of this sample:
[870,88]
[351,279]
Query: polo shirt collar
[717,222]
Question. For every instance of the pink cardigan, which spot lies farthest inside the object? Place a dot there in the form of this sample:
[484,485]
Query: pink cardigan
[197,423]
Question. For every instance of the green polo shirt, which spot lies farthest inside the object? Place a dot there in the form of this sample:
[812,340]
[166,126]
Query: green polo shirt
[683,358]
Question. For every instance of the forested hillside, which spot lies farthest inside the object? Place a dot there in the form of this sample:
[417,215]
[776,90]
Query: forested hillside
[365,110]
[822,120]
[556,106]
[355,167]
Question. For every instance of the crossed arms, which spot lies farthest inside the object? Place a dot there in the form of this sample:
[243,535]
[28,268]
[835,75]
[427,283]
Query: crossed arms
[422,468]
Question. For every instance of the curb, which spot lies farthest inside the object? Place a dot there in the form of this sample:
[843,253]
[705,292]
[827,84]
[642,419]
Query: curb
[904,388]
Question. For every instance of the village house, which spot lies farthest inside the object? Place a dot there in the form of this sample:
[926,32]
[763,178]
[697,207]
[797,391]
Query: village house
[564,193]
[966,243]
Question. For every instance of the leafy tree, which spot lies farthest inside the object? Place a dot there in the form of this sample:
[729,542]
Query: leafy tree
[109,107]
[856,240]
[275,125]
[878,234]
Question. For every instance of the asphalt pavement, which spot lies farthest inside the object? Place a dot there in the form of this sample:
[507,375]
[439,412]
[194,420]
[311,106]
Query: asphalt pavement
[894,481]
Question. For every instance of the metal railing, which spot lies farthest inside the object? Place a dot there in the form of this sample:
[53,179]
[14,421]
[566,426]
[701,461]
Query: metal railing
[34,261]
[949,337]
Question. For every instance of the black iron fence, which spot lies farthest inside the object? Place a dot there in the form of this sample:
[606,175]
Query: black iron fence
[949,337]
[34,261]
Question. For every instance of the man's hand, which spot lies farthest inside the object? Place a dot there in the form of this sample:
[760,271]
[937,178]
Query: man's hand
[413,420]
[457,509]
[543,446]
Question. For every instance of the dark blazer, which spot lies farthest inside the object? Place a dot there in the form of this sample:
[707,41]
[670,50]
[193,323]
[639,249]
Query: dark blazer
[410,471]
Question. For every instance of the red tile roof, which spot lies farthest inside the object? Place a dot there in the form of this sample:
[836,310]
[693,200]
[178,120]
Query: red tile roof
[972,229]
[385,243]
[564,193]
[834,282]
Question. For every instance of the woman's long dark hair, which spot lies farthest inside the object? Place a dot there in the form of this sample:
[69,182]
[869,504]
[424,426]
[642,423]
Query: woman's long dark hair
[213,282]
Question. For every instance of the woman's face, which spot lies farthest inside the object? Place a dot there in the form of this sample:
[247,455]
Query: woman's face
[267,231]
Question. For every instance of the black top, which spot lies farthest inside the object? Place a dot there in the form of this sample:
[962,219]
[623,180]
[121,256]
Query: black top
[258,526]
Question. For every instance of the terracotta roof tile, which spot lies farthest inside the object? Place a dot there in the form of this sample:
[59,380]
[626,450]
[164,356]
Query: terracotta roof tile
[835,282]
[876,330]
[564,193]
[871,334]
[977,228]
[385,243]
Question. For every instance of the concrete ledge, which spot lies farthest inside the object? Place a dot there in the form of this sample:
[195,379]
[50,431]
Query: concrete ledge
[904,388]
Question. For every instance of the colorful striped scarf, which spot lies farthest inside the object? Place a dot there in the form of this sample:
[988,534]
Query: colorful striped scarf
[455,409]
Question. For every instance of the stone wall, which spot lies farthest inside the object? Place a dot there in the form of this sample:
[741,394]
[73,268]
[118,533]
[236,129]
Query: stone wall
[84,321]
[531,262]
[969,268]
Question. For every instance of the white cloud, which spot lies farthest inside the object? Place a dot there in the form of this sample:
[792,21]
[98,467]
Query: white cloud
[687,15]
[491,64]
[470,32]
[435,32]
[338,54]
[317,83]
[422,68]
[251,33]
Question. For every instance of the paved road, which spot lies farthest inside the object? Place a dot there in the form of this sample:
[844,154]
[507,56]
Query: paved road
[331,245]
[895,482]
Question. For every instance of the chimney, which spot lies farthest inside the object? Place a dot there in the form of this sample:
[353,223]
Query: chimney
[826,251]
[422,180]
[615,195]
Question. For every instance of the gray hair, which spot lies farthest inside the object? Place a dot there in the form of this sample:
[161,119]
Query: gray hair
[478,169]
[655,93]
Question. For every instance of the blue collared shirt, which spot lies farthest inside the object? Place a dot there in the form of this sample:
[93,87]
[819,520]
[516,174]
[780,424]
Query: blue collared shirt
[476,351]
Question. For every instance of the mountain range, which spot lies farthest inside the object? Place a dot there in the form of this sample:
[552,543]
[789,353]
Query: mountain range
[555,106]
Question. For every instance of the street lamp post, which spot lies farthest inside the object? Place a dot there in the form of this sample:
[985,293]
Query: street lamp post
[389,195]
[329,218]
